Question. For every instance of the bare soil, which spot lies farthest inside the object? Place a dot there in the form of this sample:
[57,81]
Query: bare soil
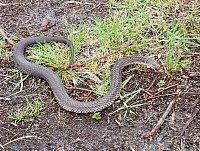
[57,130]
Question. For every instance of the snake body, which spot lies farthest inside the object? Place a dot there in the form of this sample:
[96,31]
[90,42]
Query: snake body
[56,84]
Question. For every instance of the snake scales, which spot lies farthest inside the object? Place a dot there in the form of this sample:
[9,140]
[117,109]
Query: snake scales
[56,84]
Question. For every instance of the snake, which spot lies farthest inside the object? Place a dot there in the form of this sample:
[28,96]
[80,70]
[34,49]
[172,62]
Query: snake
[55,82]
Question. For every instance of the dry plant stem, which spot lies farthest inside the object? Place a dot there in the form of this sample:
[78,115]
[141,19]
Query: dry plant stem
[5,98]
[59,67]
[53,66]
[165,89]
[77,2]
[82,89]
[161,121]
[195,103]
[20,138]
[131,147]
[87,11]
[147,92]
[170,94]
[2,4]
[153,82]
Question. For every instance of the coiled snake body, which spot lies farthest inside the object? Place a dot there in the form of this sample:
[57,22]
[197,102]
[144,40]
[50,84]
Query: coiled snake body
[56,84]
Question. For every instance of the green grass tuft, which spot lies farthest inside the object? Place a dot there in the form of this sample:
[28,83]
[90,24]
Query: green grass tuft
[29,112]
[126,107]
[96,116]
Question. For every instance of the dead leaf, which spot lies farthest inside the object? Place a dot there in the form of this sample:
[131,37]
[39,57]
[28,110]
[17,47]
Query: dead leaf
[44,24]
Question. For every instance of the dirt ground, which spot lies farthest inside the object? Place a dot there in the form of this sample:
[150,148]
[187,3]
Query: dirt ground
[58,130]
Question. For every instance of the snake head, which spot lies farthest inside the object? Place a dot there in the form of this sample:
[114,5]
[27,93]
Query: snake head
[152,63]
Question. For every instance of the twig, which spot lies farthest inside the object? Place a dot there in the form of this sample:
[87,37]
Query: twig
[131,147]
[4,98]
[195,103]
[189,121]
[12,4]
[20,138]
[169,94]
[164,68]
[192,116]
[152,83]
[194,74]
[5,75]
[22,83]
[2,4]
[62,67]
[87,11]
[75,141]
[1,146]
[53,66]
[76,2]
[166,89]
[76,88]
[161,121]
[147,92]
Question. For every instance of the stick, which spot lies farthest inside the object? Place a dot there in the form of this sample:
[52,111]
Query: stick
[192,116]
[161,121]
[194,74]
[169,94]
[20,138]
[82,89]
[189,121]
[195,103]
[171,86]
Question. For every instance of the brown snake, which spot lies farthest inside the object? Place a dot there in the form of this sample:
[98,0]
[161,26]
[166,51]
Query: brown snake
[56,84]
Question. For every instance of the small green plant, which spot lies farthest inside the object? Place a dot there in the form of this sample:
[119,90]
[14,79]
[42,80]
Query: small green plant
[32,110]
[96,116]
[161,83]
[126,107]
